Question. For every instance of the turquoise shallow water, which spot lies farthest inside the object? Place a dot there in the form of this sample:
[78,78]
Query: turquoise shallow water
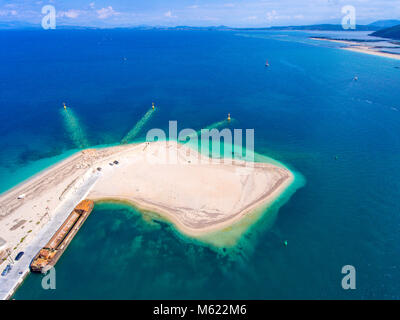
[305,110]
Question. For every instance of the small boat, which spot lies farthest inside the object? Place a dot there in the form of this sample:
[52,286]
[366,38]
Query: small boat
[48,256]
[267,64]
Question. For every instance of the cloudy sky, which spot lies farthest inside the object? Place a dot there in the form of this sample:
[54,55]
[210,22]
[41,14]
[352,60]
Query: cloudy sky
[108,13]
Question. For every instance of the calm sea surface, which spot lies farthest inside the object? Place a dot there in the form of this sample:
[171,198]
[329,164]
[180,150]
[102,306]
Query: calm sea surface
[306,111]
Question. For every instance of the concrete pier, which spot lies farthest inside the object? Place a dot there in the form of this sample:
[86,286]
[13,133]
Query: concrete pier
[20,269]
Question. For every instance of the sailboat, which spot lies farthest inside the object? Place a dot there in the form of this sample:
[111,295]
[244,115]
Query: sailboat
[267,64]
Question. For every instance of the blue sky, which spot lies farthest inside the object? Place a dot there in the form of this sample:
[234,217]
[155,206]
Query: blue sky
[240,13]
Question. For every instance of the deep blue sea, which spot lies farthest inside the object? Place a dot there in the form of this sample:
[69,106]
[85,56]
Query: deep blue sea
[343,136]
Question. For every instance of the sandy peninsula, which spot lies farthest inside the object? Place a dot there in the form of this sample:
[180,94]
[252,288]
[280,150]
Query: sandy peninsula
[368,50]
[334,40]
[357,47]
[196,193]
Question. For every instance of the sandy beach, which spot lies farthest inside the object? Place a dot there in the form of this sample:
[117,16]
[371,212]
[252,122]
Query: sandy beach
[196,193]
[357,47]
[28,207]
[335,40]
[367,50]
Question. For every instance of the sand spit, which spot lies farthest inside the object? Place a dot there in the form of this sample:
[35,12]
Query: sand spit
[196,193]
[367,50]
[358,47]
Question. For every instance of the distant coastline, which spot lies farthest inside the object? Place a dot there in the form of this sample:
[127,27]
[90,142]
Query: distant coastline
[357,46]
[13,25]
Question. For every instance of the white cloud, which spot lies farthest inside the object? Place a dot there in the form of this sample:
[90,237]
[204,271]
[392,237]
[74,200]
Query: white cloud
[207,18]
[195,6]
[251,18]
[169,14]
[72,13]
[8,12]
[271,15]
[91,5]
[105,13]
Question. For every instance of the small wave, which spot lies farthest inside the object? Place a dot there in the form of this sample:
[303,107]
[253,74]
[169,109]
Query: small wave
[74,128]
[138,127]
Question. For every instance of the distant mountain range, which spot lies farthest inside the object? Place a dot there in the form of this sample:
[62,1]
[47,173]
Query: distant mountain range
[18,25]
[376,26]
[383,28]
[385,23]
[323,27]
[314,27]
[391,33]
